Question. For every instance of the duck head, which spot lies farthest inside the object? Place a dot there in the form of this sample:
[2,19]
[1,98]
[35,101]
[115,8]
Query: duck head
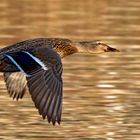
[96,47]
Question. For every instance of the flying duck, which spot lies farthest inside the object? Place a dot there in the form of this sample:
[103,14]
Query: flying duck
[36,64]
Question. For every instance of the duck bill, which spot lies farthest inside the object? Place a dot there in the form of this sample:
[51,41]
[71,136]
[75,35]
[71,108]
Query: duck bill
[110,49]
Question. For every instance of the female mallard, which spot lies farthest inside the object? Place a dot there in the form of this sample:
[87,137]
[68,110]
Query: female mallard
[37,63]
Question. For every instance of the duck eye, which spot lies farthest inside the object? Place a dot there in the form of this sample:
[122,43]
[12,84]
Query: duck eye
[99,43]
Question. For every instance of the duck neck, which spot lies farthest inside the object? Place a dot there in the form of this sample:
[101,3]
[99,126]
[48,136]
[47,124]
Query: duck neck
[80,47]
[85,46]
[65,48]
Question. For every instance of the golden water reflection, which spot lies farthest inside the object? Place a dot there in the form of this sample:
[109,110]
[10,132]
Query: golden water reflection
[101,92]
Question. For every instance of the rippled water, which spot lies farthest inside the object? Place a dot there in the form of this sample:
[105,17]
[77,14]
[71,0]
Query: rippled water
[101,92]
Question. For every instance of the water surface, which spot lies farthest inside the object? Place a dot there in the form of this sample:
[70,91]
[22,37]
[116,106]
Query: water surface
[101,92]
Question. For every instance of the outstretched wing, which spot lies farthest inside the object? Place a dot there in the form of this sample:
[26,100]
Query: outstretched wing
[16,84]
[46,91]
[43,70]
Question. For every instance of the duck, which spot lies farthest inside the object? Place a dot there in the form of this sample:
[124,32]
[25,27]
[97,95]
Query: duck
[36,65]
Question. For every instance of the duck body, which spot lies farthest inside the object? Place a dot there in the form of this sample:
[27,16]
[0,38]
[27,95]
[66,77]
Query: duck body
[36,64]
[63,46]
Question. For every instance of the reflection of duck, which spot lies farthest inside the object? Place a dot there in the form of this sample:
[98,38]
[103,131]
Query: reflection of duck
[39,60]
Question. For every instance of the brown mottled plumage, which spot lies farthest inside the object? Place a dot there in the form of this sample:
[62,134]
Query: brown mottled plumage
[37,64]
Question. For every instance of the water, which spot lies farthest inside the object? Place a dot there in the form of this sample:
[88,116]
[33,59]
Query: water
[101,92]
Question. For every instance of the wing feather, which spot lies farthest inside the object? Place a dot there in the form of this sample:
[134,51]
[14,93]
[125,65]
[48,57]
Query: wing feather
[16,84]
[47,97]
[43,71]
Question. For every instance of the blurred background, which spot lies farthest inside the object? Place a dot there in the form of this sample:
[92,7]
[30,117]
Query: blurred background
[101,92]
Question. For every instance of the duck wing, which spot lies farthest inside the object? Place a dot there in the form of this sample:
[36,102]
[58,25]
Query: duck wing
[16,84]
[43,70]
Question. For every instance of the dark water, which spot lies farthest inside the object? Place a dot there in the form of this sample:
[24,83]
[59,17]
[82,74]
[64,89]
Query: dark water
[101,92]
